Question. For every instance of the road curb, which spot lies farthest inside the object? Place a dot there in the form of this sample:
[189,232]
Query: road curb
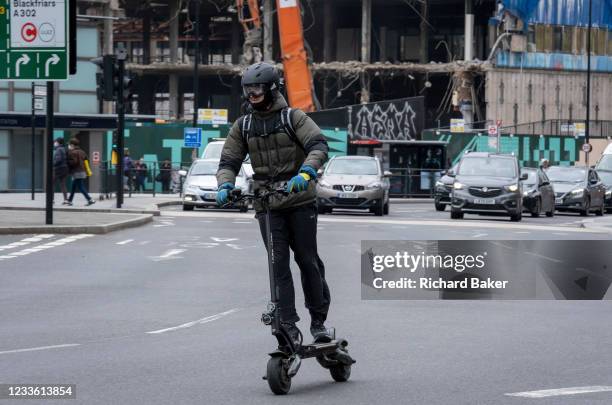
[77,229]
[169,203]
[98,210]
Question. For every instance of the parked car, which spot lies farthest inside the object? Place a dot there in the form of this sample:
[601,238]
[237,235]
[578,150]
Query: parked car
[538,193]
[606,179]
[443,189]
[200,186]
[488,183]
[577,188]
[213,151]
[354,182]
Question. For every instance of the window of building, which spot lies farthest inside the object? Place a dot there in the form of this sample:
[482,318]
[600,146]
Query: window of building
[531,38]
[557,38]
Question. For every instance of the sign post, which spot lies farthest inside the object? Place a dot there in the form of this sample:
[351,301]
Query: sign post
[493,132]
[192,137]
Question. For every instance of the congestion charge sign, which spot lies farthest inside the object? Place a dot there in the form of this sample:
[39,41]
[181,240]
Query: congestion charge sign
[33,40]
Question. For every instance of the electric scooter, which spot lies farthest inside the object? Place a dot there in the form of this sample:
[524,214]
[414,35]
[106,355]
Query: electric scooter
[285,361]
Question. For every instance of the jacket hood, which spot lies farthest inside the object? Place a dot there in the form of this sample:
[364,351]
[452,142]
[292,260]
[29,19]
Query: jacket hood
[278,104]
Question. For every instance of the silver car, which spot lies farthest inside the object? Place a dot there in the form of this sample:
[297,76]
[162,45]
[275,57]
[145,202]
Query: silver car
[355,182]
[200,186]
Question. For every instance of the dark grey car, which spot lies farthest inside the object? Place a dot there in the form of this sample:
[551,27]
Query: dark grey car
[488,183]
[443,189]
[578,189]
[538,193]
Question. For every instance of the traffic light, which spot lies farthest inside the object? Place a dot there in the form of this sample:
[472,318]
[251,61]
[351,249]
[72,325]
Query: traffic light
[105,80]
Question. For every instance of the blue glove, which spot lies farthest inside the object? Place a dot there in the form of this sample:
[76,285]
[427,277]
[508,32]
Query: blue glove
[223,193]
[300,182]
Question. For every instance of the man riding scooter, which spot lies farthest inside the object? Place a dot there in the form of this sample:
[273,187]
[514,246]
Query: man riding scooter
[285,147]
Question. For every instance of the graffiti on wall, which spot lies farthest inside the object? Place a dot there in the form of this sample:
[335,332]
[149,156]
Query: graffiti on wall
[389,120]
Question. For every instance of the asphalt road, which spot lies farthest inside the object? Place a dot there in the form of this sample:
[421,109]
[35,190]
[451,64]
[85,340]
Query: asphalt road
[81,310]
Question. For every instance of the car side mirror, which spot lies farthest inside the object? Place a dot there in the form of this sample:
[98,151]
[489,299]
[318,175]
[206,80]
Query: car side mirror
[545,183]
[387,173]
[319,172]
[182,173]
[450,173]
[524,176]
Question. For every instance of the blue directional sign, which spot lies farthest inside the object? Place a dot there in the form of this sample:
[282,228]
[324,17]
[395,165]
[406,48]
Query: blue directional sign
[193,137]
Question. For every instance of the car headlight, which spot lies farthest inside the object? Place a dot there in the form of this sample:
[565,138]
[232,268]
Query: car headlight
[608,193]
[439,184]
[577,193]
[374,186]
[512,188]
[324,184]
[457,186]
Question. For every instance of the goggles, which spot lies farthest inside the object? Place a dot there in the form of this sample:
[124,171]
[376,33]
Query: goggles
[254,90]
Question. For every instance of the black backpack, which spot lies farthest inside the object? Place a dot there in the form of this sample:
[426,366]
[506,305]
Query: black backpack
[246,121]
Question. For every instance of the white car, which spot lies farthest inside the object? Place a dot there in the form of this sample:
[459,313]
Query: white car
[200,186]
[213,151]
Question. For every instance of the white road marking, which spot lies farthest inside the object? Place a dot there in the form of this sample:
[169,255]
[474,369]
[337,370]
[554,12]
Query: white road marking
[59,242]
[168,255]
[242,222]
[561,391]
[543,257]
[144,242]
[125,242]
[480,235]
[198,322]
[34,349]
[223,239]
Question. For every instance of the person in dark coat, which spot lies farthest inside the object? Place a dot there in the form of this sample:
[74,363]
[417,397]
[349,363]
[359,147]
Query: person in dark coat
[77,167]
[60,167]
[165,175]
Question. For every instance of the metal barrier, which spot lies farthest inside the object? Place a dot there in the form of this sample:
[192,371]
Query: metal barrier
[410,182]
[154,180]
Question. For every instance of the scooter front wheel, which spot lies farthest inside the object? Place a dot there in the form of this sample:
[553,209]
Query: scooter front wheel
[276,374]
[340,372]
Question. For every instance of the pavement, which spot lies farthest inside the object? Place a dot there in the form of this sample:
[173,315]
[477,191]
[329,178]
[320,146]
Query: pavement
[19,214]
[169,313]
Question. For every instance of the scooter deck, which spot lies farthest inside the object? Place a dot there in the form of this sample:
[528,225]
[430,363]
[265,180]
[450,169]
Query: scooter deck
[318,349]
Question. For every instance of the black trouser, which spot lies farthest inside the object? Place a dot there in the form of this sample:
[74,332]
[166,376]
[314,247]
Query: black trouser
[78,183]
[297,229]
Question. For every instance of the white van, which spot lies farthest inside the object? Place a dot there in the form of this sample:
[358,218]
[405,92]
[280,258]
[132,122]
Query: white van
[213,151]
[605,162]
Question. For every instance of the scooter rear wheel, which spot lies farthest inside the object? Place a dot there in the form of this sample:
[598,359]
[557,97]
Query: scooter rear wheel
[340,372]
[276,374]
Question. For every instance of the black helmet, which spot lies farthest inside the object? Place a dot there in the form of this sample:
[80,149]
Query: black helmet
[260,79]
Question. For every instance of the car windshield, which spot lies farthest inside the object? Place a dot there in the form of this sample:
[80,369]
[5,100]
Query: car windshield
[204,169]
[532,177]
[487,166]
[605,176]
[213,151]
[605,163]
[558,174]
[353,166]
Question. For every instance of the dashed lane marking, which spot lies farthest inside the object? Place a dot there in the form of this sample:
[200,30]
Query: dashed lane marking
[125,242]
[193,323]
[561,391]
[26,241]
[168,255]
[35,349]
[49,245]
[480,235]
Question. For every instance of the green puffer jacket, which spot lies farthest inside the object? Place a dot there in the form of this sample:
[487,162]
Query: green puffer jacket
[275,156]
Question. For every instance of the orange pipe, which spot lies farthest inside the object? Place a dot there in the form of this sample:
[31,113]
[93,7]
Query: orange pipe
[295,60]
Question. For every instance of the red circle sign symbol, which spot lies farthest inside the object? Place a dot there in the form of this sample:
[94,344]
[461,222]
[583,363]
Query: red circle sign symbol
[28,32]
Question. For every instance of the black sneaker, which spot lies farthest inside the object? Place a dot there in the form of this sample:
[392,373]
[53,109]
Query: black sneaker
[319,332]
[90,202]
[294,334]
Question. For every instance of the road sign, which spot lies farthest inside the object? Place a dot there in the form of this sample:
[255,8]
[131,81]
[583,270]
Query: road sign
[34,40]
[40,91]
[457,125]
[212,116]
[39,103]
[498,123]
[192,137]
[95,157]
[587,148]
[492,130]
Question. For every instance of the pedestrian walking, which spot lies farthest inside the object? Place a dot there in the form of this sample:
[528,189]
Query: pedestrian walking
[128,168]
[141,171]
[60,167]
[78,165]
[165,175]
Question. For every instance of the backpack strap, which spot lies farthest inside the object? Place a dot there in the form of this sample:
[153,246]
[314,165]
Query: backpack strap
[245,128]
[288,126]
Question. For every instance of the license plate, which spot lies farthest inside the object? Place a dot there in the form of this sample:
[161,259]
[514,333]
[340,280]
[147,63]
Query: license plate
[210,196]
[558,200]
[347,195]
[486,201]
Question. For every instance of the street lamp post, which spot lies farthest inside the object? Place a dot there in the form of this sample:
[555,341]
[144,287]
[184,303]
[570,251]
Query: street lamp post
[196,74]
[588,89]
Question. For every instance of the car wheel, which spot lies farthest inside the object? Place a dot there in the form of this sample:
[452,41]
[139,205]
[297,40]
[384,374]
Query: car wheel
[550,214]
[516,217]
[379,211]
[587,208]
[188,207]
[456,214]
[440,207]
[321,210]
[601,211]
[536,209]
[386,210]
